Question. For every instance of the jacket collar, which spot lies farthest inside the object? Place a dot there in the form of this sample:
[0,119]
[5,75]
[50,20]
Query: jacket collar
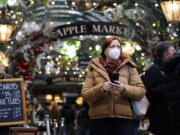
[96,65]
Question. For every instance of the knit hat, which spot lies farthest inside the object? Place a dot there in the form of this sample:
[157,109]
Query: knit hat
[162,47]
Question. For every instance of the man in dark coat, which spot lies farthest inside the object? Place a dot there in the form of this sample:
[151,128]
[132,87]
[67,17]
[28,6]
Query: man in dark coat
[156,90]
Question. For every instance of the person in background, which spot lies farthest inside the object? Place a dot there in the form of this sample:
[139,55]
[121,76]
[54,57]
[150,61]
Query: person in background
[83,120]
[172,71]
[54,111]
[157,89]
[40,115]
[109,107]
[68,113]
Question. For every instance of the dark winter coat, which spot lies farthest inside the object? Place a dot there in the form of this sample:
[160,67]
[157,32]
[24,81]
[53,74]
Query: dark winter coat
[83,119]
[172,70]
[68,113]
[156,93]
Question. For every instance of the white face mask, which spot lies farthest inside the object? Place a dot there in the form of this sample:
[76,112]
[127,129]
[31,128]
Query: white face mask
[114,53]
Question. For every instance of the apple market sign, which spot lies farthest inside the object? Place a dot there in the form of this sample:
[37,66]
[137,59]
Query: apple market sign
[93,28]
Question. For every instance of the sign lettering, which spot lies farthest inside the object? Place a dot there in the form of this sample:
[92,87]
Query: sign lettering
[94,28]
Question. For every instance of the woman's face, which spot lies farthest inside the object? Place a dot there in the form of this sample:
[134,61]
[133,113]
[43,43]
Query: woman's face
[169,52]
[114,44]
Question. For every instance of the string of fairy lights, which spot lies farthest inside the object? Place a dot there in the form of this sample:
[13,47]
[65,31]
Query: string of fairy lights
[65,57]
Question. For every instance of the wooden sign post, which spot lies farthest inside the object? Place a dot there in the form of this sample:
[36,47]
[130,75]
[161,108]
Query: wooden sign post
[12,102]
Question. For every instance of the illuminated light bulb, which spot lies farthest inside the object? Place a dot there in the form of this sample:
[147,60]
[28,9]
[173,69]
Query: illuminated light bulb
[98,47]
[137,24]
[81,37]
[95,37]
[57,59]
[73,3]
[16,22]
[57,72]
[156,5]
[8,47]
[136,4]
[49,97]
[142,54]
[115,4]
[138,47]
[79,101]
[57,98]
[49,57]
[142,64]
[94,4]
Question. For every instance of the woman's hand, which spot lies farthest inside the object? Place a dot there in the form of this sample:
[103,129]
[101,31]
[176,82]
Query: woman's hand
[107,87]
[118,86]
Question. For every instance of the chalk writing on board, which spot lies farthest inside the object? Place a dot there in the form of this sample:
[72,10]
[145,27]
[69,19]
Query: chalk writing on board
[12,108]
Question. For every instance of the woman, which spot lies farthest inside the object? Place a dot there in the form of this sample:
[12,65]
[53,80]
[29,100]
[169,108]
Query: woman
[110,110]
[157,90]
[171,68]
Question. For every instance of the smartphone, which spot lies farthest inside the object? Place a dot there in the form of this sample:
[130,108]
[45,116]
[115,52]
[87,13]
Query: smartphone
[114,77]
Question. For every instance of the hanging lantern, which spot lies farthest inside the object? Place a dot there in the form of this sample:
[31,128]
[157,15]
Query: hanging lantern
[6,28]
[171,10]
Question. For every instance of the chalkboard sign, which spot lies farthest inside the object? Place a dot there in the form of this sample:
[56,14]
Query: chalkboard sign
[12,102]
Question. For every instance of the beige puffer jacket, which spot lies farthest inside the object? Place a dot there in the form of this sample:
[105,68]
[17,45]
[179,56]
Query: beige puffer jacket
[115,104]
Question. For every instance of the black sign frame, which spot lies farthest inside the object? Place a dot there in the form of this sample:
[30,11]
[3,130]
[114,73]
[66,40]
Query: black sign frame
[23,103]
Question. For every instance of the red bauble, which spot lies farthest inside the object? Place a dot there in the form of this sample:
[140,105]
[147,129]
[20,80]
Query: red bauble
[18,67]
[41,44]
[36,37]
[154,54]
[23,71]
[37,50]
[27,77]
[25,64]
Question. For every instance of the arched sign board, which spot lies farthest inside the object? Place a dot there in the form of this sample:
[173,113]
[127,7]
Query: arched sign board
[12,102]
[93,28]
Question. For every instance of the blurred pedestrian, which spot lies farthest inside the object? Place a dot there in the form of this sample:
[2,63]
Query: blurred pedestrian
[68,113]
[157,89]
[172,71]
[83,120]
